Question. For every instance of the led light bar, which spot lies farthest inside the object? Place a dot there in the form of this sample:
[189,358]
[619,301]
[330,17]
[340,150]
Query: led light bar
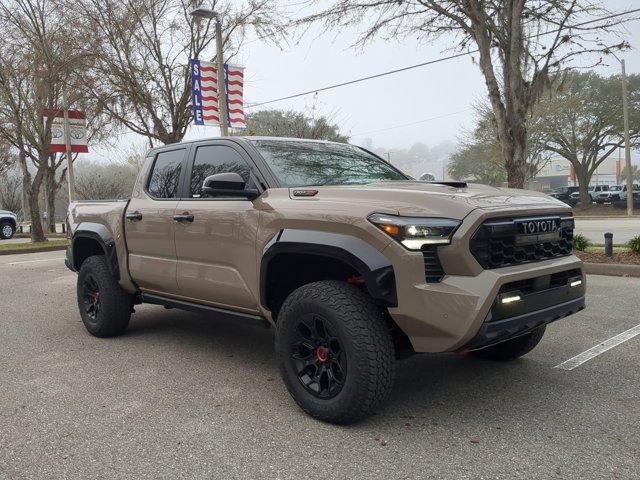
[576,283]
[510,299]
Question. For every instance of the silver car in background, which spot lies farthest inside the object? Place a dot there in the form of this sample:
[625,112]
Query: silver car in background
[8,224]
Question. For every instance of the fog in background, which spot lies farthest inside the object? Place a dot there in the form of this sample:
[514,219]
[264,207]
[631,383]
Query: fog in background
[380,114]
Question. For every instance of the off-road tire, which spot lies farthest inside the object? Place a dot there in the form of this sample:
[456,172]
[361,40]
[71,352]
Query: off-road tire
[7,230]
[512,349]
[115,305]
[358,324]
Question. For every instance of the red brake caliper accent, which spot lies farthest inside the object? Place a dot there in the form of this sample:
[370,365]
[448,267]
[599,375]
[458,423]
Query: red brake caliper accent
[321,354]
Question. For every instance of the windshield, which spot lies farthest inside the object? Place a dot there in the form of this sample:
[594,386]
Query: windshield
[300,163]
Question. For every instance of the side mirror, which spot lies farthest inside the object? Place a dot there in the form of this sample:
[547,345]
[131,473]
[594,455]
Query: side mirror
[229,184]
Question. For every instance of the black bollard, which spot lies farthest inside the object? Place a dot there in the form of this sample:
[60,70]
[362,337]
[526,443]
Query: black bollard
[608,244]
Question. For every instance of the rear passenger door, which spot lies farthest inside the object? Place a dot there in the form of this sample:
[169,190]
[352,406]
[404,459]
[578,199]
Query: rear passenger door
[216,248]
[150,226]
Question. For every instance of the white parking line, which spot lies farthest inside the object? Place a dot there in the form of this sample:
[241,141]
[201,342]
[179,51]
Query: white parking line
[33,261]
[599,349]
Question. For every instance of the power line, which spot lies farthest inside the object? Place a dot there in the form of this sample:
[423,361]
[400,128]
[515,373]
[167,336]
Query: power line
[413,123]
[429,62]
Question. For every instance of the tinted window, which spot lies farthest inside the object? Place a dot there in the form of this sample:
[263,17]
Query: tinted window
[212,159]
[298,163]
[166,174]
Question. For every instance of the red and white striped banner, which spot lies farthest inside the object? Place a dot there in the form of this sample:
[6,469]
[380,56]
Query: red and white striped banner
[204,94]
[234,77]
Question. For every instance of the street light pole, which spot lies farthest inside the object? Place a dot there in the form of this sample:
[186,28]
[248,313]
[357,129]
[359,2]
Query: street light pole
[222,87]
[627,142]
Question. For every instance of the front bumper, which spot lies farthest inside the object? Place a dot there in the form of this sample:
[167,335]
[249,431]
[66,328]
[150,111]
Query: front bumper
[460,311]
[492,332]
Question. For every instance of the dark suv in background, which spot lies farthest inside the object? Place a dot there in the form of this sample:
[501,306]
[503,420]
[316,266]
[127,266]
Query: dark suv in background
[564,194]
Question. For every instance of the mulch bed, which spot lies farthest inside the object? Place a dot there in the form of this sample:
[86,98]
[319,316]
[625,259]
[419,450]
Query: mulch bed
[628,258]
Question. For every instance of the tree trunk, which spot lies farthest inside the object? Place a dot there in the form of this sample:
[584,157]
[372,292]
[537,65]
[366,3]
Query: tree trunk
[33,192]
[584,177]
[514,157]
[51,199]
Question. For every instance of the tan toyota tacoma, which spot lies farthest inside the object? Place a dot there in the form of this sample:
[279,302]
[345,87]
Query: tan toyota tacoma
[354,263]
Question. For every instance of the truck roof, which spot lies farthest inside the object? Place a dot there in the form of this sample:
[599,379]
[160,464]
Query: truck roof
[247,138]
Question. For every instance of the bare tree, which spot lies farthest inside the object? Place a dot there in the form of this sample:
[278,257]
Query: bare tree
[142,50]
[288,123]
[37,59]
[480,157]
[26,46]
[10,192]
[104,181]
[583,123]
[522,45]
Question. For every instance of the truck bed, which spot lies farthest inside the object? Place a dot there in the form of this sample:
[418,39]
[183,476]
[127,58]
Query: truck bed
[107,217]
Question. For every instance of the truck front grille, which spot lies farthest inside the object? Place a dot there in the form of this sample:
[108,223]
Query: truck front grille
[432,268]
[501,243]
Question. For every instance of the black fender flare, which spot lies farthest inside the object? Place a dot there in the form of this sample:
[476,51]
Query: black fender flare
[103,237]
[375,269]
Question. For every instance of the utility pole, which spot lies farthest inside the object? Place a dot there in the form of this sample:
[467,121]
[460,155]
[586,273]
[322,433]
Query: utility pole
[222,87]
[67,135]
[627,142]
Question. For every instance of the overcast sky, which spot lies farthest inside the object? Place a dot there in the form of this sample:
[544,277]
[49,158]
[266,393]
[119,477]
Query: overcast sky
[373,108]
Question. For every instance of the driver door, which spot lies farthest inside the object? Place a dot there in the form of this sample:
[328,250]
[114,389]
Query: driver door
[215,244]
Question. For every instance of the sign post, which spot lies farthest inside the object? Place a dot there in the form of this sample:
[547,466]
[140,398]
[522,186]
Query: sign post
[67,137]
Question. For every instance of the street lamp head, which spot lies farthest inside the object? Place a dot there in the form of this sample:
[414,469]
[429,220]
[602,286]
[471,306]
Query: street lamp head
[203,13]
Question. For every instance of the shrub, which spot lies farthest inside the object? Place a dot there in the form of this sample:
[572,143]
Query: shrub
[580,242]
[634,244]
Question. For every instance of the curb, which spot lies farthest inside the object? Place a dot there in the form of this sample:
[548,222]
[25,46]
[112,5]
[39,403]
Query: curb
[612,269]
[54,236]
[33,250]
[604,217]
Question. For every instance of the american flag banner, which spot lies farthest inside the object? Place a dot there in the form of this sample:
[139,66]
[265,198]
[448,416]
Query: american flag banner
[234,77]
[204,94]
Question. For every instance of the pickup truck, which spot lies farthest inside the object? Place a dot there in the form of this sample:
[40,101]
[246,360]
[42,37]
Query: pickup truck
[352,262]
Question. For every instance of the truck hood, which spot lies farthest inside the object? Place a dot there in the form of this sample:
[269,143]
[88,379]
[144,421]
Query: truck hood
[432,199]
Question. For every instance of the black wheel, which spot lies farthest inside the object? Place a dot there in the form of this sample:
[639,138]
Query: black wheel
[335,352]
[6,230]
[512,349]
[104,307]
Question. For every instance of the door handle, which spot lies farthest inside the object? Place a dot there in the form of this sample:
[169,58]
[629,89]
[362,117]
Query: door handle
[134,216]
[184,218]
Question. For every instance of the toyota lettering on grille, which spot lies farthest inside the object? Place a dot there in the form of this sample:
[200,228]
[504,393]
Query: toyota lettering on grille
[537,226]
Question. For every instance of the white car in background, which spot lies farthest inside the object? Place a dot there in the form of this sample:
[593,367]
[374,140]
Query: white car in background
[594,190]
[616,193]
[8,224]
[635,189]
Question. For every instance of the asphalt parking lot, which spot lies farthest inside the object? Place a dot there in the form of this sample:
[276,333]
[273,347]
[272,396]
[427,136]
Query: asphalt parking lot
[183,396]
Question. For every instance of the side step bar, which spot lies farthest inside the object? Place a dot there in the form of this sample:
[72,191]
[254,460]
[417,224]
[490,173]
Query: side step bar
[220,313]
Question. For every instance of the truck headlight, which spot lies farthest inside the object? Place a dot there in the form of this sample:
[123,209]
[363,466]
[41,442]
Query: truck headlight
[416,232]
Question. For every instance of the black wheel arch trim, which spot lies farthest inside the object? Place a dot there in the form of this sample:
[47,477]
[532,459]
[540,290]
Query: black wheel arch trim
[375,269]
[11,220]
[103,237]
